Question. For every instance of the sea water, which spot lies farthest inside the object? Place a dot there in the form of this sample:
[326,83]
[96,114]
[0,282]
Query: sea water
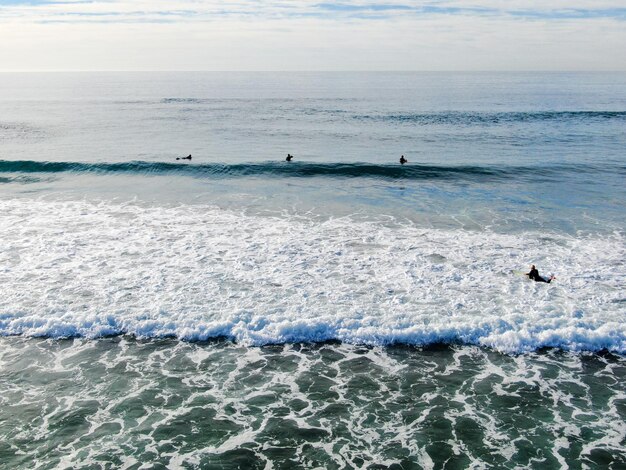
[337,311]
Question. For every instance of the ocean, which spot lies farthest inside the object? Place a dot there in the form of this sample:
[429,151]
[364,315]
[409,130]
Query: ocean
[339,311]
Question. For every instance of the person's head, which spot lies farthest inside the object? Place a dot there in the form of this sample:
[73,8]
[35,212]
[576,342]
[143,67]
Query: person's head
[532,266]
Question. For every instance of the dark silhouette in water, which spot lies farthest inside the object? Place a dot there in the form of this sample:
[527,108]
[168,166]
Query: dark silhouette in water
[534,275]
[289,157]
[403,160]
[188,157]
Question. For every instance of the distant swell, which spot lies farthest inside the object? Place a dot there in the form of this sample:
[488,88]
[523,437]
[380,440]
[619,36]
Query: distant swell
[469,118]
[441,117]
[414,171]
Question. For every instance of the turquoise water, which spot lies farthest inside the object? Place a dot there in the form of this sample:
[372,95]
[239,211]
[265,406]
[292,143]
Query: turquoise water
[337,311]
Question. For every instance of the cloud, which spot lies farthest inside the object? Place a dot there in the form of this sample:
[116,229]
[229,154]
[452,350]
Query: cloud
[209,10]
[346,7]
[571,13]
[312,35]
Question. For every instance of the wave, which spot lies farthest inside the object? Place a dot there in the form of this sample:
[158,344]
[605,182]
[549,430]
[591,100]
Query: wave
[81,269]
[469,118]
[444,117]
[414,171]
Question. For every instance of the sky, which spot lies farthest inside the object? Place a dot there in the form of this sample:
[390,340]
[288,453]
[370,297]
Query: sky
[302,35]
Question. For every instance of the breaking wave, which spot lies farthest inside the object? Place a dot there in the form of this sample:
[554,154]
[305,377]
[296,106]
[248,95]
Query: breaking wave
[81,269]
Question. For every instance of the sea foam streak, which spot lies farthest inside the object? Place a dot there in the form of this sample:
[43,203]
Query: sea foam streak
[78,268]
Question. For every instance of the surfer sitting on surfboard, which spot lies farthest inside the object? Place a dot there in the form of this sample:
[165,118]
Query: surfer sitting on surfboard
[534,275]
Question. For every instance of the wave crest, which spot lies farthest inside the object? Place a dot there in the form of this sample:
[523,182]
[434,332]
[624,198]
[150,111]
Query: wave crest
[412,171]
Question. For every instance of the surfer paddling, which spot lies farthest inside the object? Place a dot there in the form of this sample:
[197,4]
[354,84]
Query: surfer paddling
[403,160]
[188,157]
[534,276]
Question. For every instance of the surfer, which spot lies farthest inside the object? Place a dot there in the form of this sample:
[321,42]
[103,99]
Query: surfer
[403,160]
[188,157]
[534,276]
[289,157]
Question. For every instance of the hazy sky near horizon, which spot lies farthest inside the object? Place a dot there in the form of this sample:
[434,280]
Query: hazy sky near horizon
[42,35]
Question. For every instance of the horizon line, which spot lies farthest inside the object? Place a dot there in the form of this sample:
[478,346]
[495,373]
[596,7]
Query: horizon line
[314,71]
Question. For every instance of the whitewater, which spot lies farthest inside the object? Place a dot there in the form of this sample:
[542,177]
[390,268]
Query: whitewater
[194,272]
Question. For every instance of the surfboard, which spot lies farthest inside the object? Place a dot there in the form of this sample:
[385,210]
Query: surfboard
[517,272]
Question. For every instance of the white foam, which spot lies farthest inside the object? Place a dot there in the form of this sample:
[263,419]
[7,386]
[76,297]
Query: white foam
[78,268]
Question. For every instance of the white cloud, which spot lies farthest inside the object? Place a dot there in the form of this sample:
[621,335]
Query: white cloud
[312,35]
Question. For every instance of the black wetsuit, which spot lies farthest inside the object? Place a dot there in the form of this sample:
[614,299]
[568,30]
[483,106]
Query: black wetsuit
[534,275]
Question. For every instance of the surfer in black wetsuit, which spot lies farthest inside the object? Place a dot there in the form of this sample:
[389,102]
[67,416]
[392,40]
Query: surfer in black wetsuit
[188,157]
[289,157]
[403,160]
[534,276]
